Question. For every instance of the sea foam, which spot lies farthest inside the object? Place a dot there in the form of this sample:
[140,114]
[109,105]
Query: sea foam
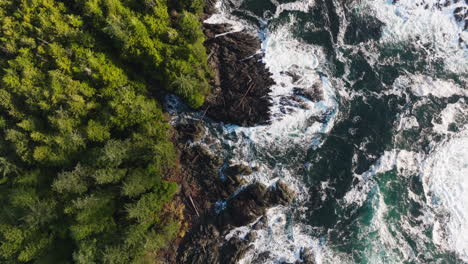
[427,23]
[290,132]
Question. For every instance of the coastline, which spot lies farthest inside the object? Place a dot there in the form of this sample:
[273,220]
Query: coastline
[211,220]
[240,96]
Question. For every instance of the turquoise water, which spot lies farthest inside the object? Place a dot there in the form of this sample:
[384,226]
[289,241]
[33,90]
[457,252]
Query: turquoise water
[379,164]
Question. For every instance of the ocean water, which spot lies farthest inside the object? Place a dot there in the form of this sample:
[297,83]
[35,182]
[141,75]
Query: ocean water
[380,164]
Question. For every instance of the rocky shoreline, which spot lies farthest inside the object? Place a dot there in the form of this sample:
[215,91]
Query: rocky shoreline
[216,195]
[241,83]
[241,86]
[221,204]
[217,198]
[214,205]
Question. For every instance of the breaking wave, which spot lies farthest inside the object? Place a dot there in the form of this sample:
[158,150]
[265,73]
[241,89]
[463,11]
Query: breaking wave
[404,145]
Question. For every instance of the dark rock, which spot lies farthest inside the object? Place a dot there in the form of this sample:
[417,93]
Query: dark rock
[209,8]
[246,206]
[293,101]
[203,168]
[251,236]
[262,257]
[314,93]
[204,244]
[232,183]
[234,250]
[241,85]
[203,161]
[211,229]
[307,256]
[323,118]
[238,169]
[295,77]
[202,247]
[286,110]
[190,132]
[280,193]
[260,224]
[253,201]
[460,13]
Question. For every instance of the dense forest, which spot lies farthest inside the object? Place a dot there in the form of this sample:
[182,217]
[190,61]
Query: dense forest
[84,143]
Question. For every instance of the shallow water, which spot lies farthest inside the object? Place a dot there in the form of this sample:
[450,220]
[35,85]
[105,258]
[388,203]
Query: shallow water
[380,165]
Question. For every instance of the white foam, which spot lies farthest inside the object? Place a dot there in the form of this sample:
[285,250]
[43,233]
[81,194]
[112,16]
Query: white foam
[422,85]
[405,162]
[407,122]
[263,146]
[223,16]
[444,173]
[434,30]
[456,113]
[445,180]
[293,132]
[302,6]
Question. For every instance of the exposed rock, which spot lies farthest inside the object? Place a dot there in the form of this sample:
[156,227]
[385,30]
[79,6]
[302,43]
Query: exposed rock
[234,250]
[240,95]
[238,169]
[206,250]
[307,256]
[190,132]
[204,167]
[205,244]
[253,201]
[209,9]
[460,13]
[262,257]
[294,76]
[323,118]
[280,193]
[232,183]
[293,101]
[246,206]
[242,82]
[251,236]
[261,223]
[314,93]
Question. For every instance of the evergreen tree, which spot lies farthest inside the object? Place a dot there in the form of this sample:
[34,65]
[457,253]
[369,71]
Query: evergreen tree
[83,145]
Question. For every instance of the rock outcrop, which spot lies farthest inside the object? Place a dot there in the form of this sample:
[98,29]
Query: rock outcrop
[218,204]
[206,243]
[190,132]
[314,93]
[217,196]
[241,86]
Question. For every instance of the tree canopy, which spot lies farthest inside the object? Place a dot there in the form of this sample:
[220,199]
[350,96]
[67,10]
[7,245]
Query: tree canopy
[84,143]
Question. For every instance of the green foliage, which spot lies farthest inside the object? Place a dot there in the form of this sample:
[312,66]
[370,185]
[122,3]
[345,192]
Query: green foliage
[194,6]
[83,145]
[72,181]
[157,238]
[97,132]
[190,27]
[151,202]
[149,38]
[138,181]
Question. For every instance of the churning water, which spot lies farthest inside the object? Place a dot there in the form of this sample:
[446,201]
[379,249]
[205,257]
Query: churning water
[380,164]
